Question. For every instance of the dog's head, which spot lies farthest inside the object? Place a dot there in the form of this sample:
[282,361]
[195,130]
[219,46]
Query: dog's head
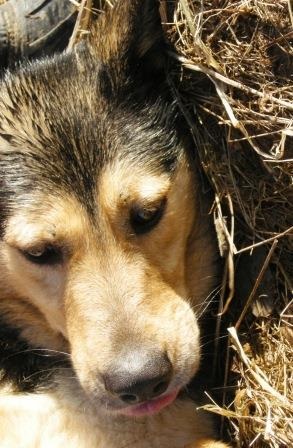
[102,231]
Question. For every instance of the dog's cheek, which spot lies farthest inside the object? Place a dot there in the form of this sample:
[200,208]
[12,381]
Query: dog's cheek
[41,287]
[182,338]
[172,322]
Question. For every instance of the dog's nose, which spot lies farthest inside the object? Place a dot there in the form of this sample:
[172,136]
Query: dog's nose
[139,376]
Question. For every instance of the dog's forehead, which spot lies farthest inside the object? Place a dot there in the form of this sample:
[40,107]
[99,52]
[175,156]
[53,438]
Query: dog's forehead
[58,216]
[59,129]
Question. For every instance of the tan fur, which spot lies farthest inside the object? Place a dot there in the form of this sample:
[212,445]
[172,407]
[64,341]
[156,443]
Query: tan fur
[144,280]
[54,422]
[207,443]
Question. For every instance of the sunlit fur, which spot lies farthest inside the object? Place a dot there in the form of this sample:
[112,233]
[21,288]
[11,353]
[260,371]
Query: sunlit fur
[84,138]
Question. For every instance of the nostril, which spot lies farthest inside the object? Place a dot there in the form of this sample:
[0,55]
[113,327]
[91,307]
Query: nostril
[161,387]
[129,398]
[157,390]
[145,391]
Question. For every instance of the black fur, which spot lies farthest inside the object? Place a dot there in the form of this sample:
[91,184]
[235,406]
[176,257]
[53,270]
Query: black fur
[27,369]
[77,128]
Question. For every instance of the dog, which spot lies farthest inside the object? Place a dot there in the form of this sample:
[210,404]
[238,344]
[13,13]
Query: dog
[106,250]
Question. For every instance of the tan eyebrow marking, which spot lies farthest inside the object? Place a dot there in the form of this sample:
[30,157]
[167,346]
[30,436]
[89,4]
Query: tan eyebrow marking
[121,186]
[56,221]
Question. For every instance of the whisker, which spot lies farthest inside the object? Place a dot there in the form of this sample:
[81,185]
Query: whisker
[34,350]
[203,306]
[49,350]
[51,370]
[223,337]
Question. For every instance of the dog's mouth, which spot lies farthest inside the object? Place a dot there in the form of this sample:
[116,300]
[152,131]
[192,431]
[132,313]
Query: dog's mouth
[150,407]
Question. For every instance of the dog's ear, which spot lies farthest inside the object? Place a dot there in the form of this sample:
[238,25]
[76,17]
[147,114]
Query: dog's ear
[129,38]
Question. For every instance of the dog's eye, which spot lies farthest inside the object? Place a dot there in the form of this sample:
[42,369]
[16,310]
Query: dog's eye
[47,255]
[143,219]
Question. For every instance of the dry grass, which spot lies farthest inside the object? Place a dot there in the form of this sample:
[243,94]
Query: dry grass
[235,90]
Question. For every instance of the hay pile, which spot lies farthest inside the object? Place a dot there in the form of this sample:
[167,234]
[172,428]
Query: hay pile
[235,90]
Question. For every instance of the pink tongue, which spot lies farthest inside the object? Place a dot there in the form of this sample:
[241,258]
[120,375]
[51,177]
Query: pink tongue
[150,407]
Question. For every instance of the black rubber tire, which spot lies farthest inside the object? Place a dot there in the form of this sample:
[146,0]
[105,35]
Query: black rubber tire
[32,28]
